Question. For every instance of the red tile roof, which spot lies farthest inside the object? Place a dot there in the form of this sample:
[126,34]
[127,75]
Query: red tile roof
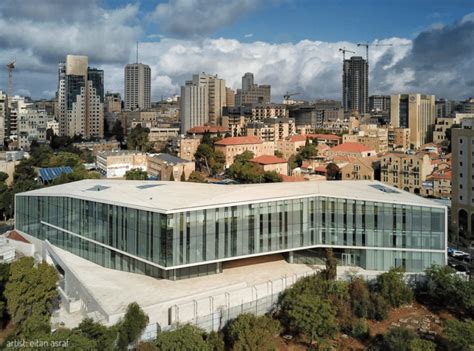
[351,147]
[297,137]
[287,178]
[444,174]
[242,140]
[268,160]
[320,169]
[14,235]
[210,129]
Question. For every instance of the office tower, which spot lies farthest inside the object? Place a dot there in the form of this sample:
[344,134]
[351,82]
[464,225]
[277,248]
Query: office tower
[202,100]
[137,86]
[467,106]
[252,93]
[414,111]
[80,98]
[247,81]
[445,108]
[462,198]
[355,85]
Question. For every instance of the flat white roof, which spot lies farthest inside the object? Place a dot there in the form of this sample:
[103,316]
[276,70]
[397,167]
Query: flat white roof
[161,196]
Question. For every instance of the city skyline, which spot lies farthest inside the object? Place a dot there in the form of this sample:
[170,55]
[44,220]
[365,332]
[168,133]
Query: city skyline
[420,60]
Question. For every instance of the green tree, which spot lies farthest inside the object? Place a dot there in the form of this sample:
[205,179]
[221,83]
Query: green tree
[117,131]
[360,298]
[138,139]
[272,177]
[4,273]
[311,315]
[136,174]
[24,171]
[331,264]
[3,176]
[398,339]
[30,293]
[360,329]
[183,176]
[332,171]
[379,307]
[104,337]
[393,288]
[252,333]
[215,341]
[460,335]
[196,177]
[308,150]
[185,338]
[278,153]
[204,154]
[132,326]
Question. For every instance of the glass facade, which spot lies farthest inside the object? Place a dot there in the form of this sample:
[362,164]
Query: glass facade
[159,244]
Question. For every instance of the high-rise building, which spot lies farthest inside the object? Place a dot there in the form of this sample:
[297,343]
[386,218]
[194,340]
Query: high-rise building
[467,106]
[32,126]
[252,93]
[444,107]
[355,85]
[113,102]
[202,100]
[137,86]
[462,199]
[417,112]
[80,98]
[247,81]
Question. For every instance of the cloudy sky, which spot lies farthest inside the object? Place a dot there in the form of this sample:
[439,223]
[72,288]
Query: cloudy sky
[290,44]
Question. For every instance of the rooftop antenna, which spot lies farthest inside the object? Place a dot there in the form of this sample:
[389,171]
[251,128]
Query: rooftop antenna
[137,51]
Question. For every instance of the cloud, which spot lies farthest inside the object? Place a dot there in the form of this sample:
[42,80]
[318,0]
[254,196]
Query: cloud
[440,62]
[249,35]
[196,18]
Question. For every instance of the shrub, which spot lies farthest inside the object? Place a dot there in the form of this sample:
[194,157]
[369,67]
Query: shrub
[186,337]
[398,339]
[393,288]
[378,308]
[360,298]
[252,333]
[460,335]
[360,329]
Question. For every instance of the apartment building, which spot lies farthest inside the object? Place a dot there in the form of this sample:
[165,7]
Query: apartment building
[114,164]
[32,126]
[356,168]
[187,147]
[252,93]
[371,136]
[271,163]
[351,149]
[271,129]
[398,139]
[289,146]
[406,171]
[264,111]
[234,146]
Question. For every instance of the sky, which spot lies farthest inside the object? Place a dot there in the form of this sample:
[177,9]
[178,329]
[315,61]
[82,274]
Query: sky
[428,45]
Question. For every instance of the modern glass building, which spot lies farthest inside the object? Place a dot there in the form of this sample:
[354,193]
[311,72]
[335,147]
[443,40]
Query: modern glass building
[177,230]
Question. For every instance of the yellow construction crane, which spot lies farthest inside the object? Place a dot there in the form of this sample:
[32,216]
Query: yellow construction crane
[367,44]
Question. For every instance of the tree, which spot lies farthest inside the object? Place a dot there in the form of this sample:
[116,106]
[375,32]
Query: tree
[360,329]
[117,131]
[272,177]
[331,265]
[4,273]
[186,337]
[393,288]
[132,326]
[30,293]
[460,335]
[360,298]
[136,174]
[398,339]
[378,308]
[196,177]
[103,336]
[215,341]
[3,176]
[278,153]
[332,171]
[172,177]
[138,139]
[252,333]
[183,176]
[312,316]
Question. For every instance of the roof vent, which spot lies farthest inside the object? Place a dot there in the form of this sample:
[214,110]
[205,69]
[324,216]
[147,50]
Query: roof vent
[384,189]
[98,188]
[147,186]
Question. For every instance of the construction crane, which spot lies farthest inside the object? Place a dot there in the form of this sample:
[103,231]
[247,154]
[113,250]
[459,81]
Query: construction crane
[10,68]
[366,44]
[287,96]
[344,50]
